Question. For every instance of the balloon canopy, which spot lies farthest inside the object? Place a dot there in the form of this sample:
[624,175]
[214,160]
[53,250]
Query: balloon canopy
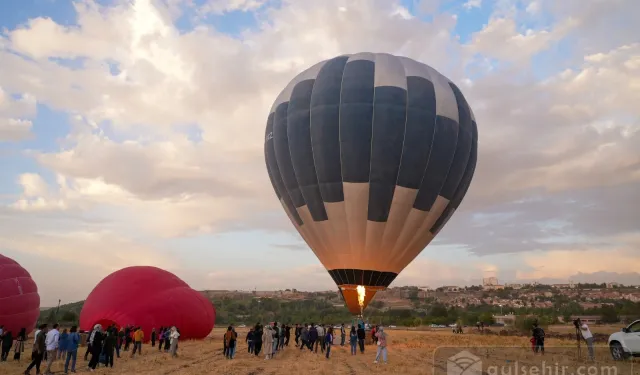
[370,154]
[19,298]
[151,298]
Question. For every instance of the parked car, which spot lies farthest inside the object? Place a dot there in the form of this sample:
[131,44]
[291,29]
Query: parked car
[626,343]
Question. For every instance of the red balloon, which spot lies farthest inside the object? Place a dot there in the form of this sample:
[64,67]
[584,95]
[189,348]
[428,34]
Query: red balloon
[19,298]
[150,298]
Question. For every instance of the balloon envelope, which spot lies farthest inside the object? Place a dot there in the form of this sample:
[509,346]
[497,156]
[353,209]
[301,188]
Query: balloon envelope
[370,154]
[148,297]
[19,298]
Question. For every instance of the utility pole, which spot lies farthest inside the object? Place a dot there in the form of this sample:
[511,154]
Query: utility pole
[57,310]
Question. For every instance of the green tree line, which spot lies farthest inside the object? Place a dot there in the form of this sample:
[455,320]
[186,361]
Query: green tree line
[326,309]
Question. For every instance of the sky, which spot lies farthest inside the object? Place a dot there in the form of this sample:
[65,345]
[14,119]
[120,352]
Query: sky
[131,133]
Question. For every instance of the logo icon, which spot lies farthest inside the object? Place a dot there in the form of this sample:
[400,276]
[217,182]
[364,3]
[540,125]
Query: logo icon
[464,363]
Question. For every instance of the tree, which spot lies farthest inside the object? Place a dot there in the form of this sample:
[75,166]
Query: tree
[438,311]
[609,314]
[486,318]
[51,317]
[69,316]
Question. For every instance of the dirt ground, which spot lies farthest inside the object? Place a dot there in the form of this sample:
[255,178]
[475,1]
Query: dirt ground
[410,352]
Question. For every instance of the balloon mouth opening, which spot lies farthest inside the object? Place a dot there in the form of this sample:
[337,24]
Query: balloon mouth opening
[106,323]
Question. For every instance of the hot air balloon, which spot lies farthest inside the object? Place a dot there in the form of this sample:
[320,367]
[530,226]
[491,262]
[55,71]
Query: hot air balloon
[19,298]
[370,154]
[151,298]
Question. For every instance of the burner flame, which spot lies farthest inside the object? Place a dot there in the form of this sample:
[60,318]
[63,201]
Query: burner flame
[361,294]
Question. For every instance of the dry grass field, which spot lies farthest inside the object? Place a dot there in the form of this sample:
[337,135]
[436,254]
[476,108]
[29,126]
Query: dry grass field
[410,352]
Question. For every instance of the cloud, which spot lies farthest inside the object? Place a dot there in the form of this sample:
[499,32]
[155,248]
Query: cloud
[167,124]
[291,246]
[12,107]
[224,6]
[15,130]
[470,4]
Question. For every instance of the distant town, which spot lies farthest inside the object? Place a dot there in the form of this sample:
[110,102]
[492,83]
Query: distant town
[509,299]
[490,302]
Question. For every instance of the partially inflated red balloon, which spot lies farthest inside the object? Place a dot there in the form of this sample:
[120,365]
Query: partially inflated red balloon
[151,298]
[19,298]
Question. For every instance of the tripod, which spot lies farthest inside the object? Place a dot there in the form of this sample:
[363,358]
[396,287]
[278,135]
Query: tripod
[578,342]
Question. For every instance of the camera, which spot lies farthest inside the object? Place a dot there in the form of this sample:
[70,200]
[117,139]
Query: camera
[576,323]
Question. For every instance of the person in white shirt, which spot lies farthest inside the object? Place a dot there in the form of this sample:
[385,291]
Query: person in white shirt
[174,335]
[588,337]
[51,342]
[320,340]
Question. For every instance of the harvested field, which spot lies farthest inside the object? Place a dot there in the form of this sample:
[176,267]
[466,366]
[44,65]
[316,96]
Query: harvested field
[410,352]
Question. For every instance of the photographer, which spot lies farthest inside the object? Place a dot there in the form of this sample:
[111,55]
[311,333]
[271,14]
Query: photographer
[587,335]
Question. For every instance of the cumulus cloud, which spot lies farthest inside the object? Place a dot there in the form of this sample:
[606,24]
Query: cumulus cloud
[167,124]
[14,111]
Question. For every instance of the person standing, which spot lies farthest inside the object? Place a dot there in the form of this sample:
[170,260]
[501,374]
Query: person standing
[320,339]
[257,339]
[538,335]
[19,347]
[234,342]
[297,334]
[89,341]
[161,338]
[304,336]
[7,343]
[167,339]
[276,338]
[343,334]
[329,340]
[138,337]
[73,340]
[229,342]
[267,340]
[96,346]
[128,337]
[283,333]
[381,339]
[108,348]
[62,347]
[361,337]
[287,334]
[52,342]
[39,347]
[373,335]
[153,337]
[249,340]
[588,337]
[174,335]
[313,337]
[119,341]
[353,340]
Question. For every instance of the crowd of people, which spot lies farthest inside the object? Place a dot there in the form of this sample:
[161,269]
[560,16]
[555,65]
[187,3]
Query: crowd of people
[7,340]
[105,344]
[273,338]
